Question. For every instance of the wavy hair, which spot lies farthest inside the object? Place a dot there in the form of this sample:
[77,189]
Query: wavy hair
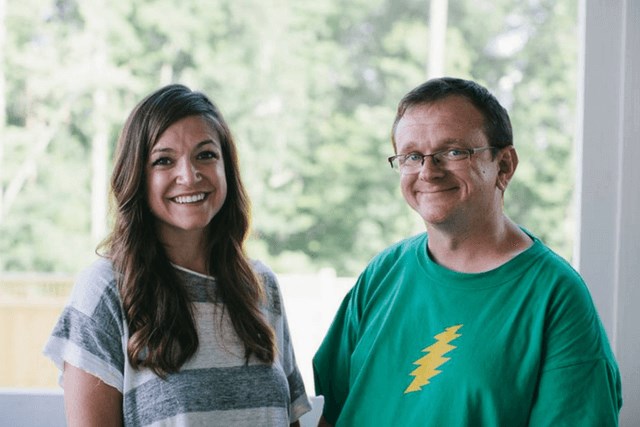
[162,331]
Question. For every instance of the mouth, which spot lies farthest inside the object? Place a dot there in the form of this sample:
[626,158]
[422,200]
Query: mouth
[192,198]
[436,190]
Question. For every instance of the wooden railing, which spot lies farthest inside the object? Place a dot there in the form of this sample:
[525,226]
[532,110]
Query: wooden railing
[29,307]
[31,303]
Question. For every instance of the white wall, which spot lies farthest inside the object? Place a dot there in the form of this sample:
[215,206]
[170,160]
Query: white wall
[608,147]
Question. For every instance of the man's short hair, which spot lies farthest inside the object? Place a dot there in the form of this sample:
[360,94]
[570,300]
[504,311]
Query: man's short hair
[497,125]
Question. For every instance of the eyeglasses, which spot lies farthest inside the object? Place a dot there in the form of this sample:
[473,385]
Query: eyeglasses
[450,159]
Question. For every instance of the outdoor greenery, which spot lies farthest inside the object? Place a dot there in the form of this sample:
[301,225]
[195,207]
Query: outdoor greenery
[309,89]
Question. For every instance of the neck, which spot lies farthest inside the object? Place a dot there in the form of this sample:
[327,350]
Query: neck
[187,250]
[478,248]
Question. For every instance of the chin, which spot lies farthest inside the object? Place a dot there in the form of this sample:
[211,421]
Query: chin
[192,226]
[431,217]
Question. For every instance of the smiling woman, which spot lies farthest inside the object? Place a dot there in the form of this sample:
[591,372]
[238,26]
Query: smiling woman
[175,311]
[186,186]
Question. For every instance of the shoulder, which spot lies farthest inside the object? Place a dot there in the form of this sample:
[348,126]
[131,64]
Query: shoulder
[261,268]
[101,269]
[269,281]
[567,298]
[399,253]
[96,286]
[387,269]
[540,264]
[551,268]
[570,315]
[265,274]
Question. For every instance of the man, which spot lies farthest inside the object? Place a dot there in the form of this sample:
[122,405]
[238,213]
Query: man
[476,322]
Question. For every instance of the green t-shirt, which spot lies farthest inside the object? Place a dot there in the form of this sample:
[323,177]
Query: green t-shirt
[416,344]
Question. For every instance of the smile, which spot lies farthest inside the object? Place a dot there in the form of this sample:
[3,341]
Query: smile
[436,190]
[190,199]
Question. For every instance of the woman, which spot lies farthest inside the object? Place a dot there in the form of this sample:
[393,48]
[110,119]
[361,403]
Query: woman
[174,325]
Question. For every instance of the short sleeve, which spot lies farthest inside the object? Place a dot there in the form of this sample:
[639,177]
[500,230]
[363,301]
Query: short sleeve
[299,401]
[90,331]
[331,363]
[586,394]
[579,381]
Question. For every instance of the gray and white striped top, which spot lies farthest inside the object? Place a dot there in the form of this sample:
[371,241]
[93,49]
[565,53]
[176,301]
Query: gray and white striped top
[213,388]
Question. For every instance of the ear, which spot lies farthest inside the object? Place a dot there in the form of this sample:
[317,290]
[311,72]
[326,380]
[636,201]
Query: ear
[507,159]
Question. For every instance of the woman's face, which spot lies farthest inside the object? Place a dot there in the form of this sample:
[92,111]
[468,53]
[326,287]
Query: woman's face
[185,179]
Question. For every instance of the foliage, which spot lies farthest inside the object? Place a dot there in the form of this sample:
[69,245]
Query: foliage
[309,89]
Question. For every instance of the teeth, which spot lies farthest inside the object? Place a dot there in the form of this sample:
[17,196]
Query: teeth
[190,199]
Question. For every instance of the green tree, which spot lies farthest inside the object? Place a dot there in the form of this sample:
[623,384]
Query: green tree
[527,54]
[310,91]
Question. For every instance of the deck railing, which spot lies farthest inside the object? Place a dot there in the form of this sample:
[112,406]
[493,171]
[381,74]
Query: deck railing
[31,303]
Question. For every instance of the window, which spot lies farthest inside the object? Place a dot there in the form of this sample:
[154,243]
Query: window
[300,87]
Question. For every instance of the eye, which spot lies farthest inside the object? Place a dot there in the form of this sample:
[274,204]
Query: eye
[208,155]
[413,158]
[456,153]
[161,161]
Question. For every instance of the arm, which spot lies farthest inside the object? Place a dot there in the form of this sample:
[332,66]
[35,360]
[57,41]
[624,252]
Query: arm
[89,401]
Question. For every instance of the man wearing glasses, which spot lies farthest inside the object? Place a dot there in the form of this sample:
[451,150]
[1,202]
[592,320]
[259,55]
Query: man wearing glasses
[476,322]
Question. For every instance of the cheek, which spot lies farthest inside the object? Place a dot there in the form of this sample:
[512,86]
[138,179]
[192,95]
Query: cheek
[220,171]
[484,175]
[406,184]
[221,177]
[154,189]
[151,186]
[222,190]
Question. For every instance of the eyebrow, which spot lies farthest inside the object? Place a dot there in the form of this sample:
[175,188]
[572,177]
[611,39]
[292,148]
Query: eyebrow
[443,145]
[198,146]
[454,142]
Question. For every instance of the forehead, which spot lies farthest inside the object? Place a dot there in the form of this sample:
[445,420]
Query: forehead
[453,117]
[187,131]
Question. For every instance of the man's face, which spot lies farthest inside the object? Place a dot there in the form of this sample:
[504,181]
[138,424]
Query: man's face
[459,198]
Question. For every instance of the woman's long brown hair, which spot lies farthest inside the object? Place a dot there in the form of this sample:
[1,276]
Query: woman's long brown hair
[162,330]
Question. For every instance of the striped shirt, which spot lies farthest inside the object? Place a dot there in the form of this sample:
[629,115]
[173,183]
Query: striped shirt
[215,387]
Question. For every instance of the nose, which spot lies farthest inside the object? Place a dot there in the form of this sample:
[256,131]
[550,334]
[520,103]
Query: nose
[430,169]
[188,173]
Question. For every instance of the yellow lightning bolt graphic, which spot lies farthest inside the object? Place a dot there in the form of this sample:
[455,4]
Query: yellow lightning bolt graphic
[433,359]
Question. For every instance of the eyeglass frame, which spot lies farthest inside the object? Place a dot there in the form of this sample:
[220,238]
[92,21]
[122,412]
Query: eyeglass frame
[436,157]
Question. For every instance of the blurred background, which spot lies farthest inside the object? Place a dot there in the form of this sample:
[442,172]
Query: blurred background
[309,89]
